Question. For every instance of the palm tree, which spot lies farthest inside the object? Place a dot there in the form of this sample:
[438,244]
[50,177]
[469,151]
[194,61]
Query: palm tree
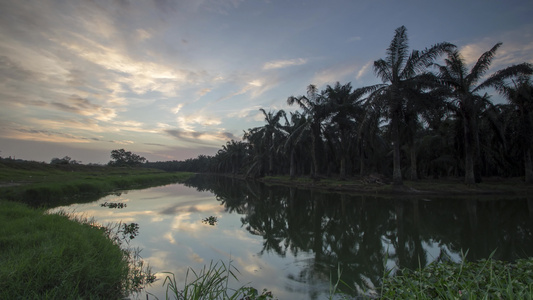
[339,104]
[231,156]
[266,138]
[467,103]
[314,109]
[520,97]
[295,141]
[345,110]
[400,72]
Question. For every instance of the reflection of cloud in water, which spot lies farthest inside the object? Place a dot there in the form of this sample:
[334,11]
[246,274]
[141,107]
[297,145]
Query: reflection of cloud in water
[181,208]
[168,236]
[241,237]
[195,257]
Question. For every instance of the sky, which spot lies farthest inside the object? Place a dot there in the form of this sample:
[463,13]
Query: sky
[174,79]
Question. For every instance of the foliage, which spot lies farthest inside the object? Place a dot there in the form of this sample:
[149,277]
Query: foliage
[123,158]
[212,283]
[484,279]
[113,205]
[64,161]
[211,220]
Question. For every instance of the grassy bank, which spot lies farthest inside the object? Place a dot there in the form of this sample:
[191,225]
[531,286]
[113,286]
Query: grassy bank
[46,256]
[51,256]
[38,184]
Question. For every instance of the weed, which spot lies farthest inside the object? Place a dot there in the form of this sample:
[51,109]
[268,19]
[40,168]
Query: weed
[212,283]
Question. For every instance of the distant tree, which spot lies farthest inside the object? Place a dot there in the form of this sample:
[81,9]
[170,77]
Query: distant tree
[122,157]
[61,161]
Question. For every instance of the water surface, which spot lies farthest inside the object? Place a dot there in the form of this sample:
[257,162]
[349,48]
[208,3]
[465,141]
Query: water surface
[293,241]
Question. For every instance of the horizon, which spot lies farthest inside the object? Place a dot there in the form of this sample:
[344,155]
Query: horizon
[171,80]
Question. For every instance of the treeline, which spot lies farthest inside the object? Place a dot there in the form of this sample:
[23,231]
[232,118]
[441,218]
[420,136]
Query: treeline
[432,116]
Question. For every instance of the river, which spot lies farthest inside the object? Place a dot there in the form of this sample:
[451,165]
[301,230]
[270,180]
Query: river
[292,242]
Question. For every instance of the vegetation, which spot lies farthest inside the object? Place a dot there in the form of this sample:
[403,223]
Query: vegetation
[123,158]
[432,117]
[49,256]
[40,184]
[484,279]
[212,283]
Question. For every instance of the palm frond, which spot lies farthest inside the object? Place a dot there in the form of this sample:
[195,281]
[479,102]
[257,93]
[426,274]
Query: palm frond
[482,65]
[382,69]
[497,80]
[397,51]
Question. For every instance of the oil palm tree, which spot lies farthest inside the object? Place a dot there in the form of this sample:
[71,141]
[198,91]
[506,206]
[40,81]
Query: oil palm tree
[314,109]
[519,94]
[466,101]
[343,107]
[296,141]
[266,138]
[401,73]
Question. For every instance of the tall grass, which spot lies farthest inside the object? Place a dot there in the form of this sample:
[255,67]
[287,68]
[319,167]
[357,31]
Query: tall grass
[49,256]
[483,279]
[211,283]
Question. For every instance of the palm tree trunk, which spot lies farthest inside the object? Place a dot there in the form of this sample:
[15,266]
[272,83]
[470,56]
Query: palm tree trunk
[343,166]
[397,170]
[271,164]
[313,157]
[414,175]
[292,168]
[469,152]
[528,167]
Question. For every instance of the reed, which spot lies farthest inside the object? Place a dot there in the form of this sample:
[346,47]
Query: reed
[211,283]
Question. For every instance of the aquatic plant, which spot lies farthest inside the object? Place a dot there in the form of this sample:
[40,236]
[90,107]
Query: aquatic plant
[211,220]
[483,279]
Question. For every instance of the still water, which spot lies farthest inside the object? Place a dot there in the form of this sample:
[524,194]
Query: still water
[292,241]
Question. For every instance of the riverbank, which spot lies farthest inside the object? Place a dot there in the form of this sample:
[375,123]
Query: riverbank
[379,186]
[49,256]
[39,184]
[52,256]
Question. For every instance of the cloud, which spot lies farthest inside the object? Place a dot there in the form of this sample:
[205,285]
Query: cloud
[176,109]
[279,64]
[202,138]
[44,135]
[331,75]
[190,122]
[78,105]
[364,70]
[516,48]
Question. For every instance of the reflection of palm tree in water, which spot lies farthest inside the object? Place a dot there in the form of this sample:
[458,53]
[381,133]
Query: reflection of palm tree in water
[355,232]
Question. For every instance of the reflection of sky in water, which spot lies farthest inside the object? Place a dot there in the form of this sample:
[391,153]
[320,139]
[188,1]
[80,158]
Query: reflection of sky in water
[172,238]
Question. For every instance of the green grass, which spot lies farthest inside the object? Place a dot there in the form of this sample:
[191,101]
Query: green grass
[49,256]
[211,283]
[484,279]
[46,185]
